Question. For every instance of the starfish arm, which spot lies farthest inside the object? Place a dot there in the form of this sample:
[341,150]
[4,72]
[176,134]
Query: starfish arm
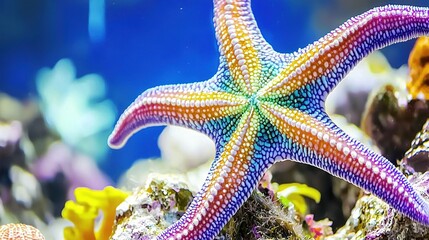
[330,58]
[234,174]
[319,142]
[241,43]
[198,106]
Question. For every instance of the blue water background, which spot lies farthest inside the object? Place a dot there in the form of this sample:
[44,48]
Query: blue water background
[149,43]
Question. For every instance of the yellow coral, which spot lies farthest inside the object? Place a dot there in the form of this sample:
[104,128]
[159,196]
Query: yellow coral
[292,193]
[85,210]
[419,68]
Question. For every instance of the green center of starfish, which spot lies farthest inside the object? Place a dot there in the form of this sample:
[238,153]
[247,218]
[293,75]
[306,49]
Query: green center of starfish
[253,101]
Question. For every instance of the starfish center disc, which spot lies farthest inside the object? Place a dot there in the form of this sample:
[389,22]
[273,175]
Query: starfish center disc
[253,101]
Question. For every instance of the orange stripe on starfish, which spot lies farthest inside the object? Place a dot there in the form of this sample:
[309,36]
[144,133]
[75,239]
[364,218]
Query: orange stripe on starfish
[167,105]
[308,132]
[192,106]
[237,43]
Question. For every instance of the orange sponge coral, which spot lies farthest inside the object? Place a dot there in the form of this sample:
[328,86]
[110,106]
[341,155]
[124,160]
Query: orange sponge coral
[84,212]
[418,63]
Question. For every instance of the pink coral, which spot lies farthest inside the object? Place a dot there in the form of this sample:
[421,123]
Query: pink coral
[320,228]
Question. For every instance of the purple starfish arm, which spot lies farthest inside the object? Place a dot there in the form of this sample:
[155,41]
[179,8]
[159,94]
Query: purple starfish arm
[317,141]
[330,58]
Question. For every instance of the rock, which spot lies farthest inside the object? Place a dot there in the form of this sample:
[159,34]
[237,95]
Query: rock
[151,208]
[417,157]
[392,121]
[164,198]
[372,218]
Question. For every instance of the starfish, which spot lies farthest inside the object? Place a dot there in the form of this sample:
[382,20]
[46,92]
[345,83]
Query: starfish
[262,107]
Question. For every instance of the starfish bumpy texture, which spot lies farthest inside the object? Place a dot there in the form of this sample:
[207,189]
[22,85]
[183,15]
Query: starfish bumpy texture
[262,107]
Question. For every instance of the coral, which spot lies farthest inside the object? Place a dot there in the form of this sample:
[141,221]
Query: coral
[77,170]
[25,189]
[368,213]
[22,199]
[84,212]
[37,170]
[419,68]
[75,107]
[164,198]
[10,134]
[292,193]
[319,229]
[262,218]
[152,207]
[19,231]
[13,110]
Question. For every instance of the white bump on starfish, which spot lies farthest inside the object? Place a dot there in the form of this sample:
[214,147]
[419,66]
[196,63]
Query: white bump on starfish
[326,137]
[368,164]
[383,175]
[346,151]
[361,160]
[339,146]
[213,192]
[203,211]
